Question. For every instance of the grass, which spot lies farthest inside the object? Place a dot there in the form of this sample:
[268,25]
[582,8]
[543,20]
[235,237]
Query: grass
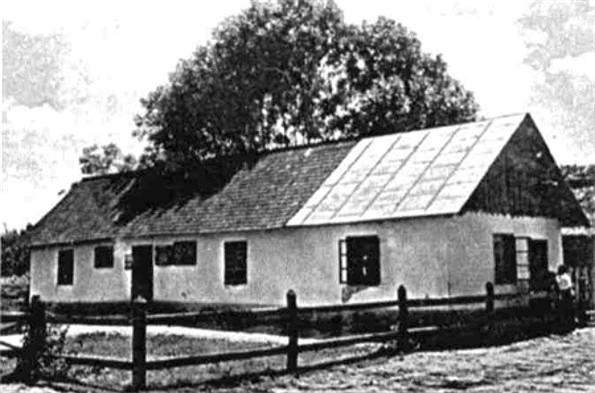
[159,346]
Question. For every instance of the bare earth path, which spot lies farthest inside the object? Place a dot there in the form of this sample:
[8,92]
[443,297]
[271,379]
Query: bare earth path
[550,364]
[547,364]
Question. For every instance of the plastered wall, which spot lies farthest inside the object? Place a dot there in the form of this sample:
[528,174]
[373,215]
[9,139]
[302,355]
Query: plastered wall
[432,257]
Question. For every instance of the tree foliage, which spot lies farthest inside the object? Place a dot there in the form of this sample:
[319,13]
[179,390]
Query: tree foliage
[292,72]
[107,159]
[15,253]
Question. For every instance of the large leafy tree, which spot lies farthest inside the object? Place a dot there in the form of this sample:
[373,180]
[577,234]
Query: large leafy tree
[292,72]
[15,253]
[106,159]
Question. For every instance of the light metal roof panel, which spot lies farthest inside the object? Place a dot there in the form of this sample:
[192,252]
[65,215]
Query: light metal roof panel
[411,174]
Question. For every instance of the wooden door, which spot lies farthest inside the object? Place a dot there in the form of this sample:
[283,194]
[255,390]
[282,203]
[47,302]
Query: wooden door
[142,272]
[538,265]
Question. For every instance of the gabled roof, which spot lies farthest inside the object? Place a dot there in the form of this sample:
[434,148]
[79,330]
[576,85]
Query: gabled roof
[442,171]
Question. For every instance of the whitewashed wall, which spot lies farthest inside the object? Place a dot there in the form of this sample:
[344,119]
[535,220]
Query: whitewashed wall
[89,284]
[432,257]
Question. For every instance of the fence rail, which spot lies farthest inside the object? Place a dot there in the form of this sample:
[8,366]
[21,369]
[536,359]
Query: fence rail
[139,319]
[96,361]
[214,358]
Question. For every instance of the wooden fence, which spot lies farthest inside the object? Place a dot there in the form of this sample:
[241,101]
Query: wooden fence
[139,318]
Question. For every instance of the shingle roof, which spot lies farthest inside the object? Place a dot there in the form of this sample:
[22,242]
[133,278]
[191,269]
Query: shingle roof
[259,195]
[418,173]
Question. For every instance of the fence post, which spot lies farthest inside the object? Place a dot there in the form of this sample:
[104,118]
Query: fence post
[292,331]
[403,339]
[489,310]
[489,297]
[36,339]
[139,343]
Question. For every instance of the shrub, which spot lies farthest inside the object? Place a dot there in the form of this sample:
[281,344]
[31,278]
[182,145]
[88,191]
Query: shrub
[46,365]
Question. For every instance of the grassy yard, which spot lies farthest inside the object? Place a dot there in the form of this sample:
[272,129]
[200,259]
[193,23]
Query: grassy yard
[554,363]
[159,346]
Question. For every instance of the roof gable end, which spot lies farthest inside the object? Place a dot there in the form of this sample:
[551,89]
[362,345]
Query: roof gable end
[525,180]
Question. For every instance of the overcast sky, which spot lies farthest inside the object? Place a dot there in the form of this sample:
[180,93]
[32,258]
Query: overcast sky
[112,53]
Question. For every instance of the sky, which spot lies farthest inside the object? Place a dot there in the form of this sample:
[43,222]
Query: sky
[108,55]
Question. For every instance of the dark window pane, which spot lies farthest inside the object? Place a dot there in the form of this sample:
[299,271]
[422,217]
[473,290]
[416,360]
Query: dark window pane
[65,267]
[184,253]
[235,263]
[505,259]
[164,255]
[104,257]
[363,260]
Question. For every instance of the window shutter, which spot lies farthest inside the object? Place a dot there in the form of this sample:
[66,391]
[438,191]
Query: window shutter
[343,265]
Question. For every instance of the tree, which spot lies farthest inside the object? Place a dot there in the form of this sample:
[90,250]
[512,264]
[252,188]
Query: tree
[107,159]
[292,72]
[15,253]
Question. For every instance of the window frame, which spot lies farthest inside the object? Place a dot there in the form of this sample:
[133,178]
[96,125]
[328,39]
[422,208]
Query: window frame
[509,277]
[161,251]
[65,278]
[178,259]
[229,274]
[170,254]
[102,248]
[346,272]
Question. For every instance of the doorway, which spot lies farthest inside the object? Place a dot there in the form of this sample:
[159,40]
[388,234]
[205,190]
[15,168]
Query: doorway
[538,264]
[142,272]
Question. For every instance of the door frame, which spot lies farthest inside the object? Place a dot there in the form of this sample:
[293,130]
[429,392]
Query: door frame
[140,286]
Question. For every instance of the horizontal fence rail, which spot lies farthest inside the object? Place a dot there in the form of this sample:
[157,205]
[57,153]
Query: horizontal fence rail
[107,320]
[12,316]
[96,361]
[139,318]
[214,358]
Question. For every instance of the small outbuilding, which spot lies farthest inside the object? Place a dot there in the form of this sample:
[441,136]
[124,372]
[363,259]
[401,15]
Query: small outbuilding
[441,211]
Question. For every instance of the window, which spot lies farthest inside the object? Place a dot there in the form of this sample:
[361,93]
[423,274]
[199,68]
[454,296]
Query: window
[104,257]
[164,255]
[184,253]
[180,253]
[65,267]
[235,263]
[359,260]
[505,259]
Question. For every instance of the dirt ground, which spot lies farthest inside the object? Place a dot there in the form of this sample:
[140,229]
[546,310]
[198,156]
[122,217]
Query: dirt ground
[557,363]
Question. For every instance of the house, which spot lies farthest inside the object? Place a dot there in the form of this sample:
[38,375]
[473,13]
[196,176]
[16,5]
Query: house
[441,211]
